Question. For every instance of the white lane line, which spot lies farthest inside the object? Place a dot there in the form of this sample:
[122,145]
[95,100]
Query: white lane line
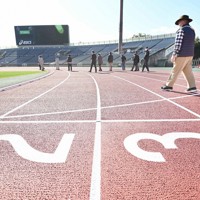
[181,77]
[162,97]
[13,110]
[154,74]
[95,188]
[150,120]
[102,121]
[148,102]
[50,113]
[144,77]
[92,109]
[48,122]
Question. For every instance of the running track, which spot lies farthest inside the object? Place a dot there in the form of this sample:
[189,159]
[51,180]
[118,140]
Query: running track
[91,136]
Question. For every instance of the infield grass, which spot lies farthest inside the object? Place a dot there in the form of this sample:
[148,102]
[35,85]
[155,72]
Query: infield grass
[9,74]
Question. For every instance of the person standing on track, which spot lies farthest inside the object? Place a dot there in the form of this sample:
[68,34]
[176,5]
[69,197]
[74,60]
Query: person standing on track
[110,61]
[41,62]
[100,61]
[182,55]
[94,62]
[57,61]
[69,62]
[123,64]
[136,60]
[146,59]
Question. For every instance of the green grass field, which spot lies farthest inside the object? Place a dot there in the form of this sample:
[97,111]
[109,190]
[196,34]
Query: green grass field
[9,74]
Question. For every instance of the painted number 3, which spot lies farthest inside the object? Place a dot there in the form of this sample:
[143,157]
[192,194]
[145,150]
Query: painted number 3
[167,140]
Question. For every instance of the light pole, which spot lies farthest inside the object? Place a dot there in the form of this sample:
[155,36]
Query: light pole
[120,28]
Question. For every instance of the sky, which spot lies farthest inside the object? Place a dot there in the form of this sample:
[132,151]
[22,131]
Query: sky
[97,20]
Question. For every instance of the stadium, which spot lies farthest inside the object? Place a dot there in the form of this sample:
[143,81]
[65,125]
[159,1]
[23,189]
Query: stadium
[117,134]
[161,47]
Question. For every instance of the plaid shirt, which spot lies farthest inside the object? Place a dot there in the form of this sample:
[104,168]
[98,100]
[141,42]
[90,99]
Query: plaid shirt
[178,41]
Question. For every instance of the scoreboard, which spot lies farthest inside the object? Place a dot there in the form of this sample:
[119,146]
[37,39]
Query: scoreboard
[42,35]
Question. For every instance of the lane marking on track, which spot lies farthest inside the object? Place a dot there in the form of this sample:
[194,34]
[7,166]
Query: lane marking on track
[103,107]
[162,97]
[95,188]
[50,113]
[163,76]
[150,120]
[102,121]
[167,140]
[145,77]
[13,110]
[48,122]
[27,152]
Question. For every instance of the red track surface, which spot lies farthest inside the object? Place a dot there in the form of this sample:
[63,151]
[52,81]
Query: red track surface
[92,136]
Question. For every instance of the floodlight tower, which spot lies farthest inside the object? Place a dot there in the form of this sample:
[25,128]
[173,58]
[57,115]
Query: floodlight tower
[120,28]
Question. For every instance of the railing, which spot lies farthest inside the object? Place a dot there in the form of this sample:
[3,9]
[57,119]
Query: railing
[196,62]
[133,39]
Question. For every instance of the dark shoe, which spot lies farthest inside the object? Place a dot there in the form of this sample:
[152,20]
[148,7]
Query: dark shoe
[167,88]
[193,89]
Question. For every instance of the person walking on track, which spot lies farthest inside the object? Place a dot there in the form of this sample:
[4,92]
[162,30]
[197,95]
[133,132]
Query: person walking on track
[110,61]
[146,59]
[94,62]
[182,55]
[100,61]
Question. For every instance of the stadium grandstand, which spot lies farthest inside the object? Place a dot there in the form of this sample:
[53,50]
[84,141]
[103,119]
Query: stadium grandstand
[160,46]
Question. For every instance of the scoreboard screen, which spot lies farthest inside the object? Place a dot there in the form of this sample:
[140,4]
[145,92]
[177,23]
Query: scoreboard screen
[42,35]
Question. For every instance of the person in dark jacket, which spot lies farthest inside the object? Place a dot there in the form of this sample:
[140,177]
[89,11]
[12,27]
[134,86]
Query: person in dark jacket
[182,55]
[136,60]
[123,64]
[146,59]
[100,61]
[110,61]
[94,62]
[69,62]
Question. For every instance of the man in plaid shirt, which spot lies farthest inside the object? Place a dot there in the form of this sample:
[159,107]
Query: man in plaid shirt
[182,55]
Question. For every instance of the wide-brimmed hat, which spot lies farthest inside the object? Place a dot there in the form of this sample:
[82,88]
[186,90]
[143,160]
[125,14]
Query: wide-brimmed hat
[183,17]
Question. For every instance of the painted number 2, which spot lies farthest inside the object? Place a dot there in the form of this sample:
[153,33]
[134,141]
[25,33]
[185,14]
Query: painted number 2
[24,150]
[167,140]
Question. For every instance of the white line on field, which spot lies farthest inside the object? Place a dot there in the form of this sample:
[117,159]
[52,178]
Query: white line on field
[2,116]
[103,107]
[95,189]
[162,97]
[101,121]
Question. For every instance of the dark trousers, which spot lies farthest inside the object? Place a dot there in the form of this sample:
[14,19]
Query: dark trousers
[145,65]
[95,66]
[69,67]
[136,66]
